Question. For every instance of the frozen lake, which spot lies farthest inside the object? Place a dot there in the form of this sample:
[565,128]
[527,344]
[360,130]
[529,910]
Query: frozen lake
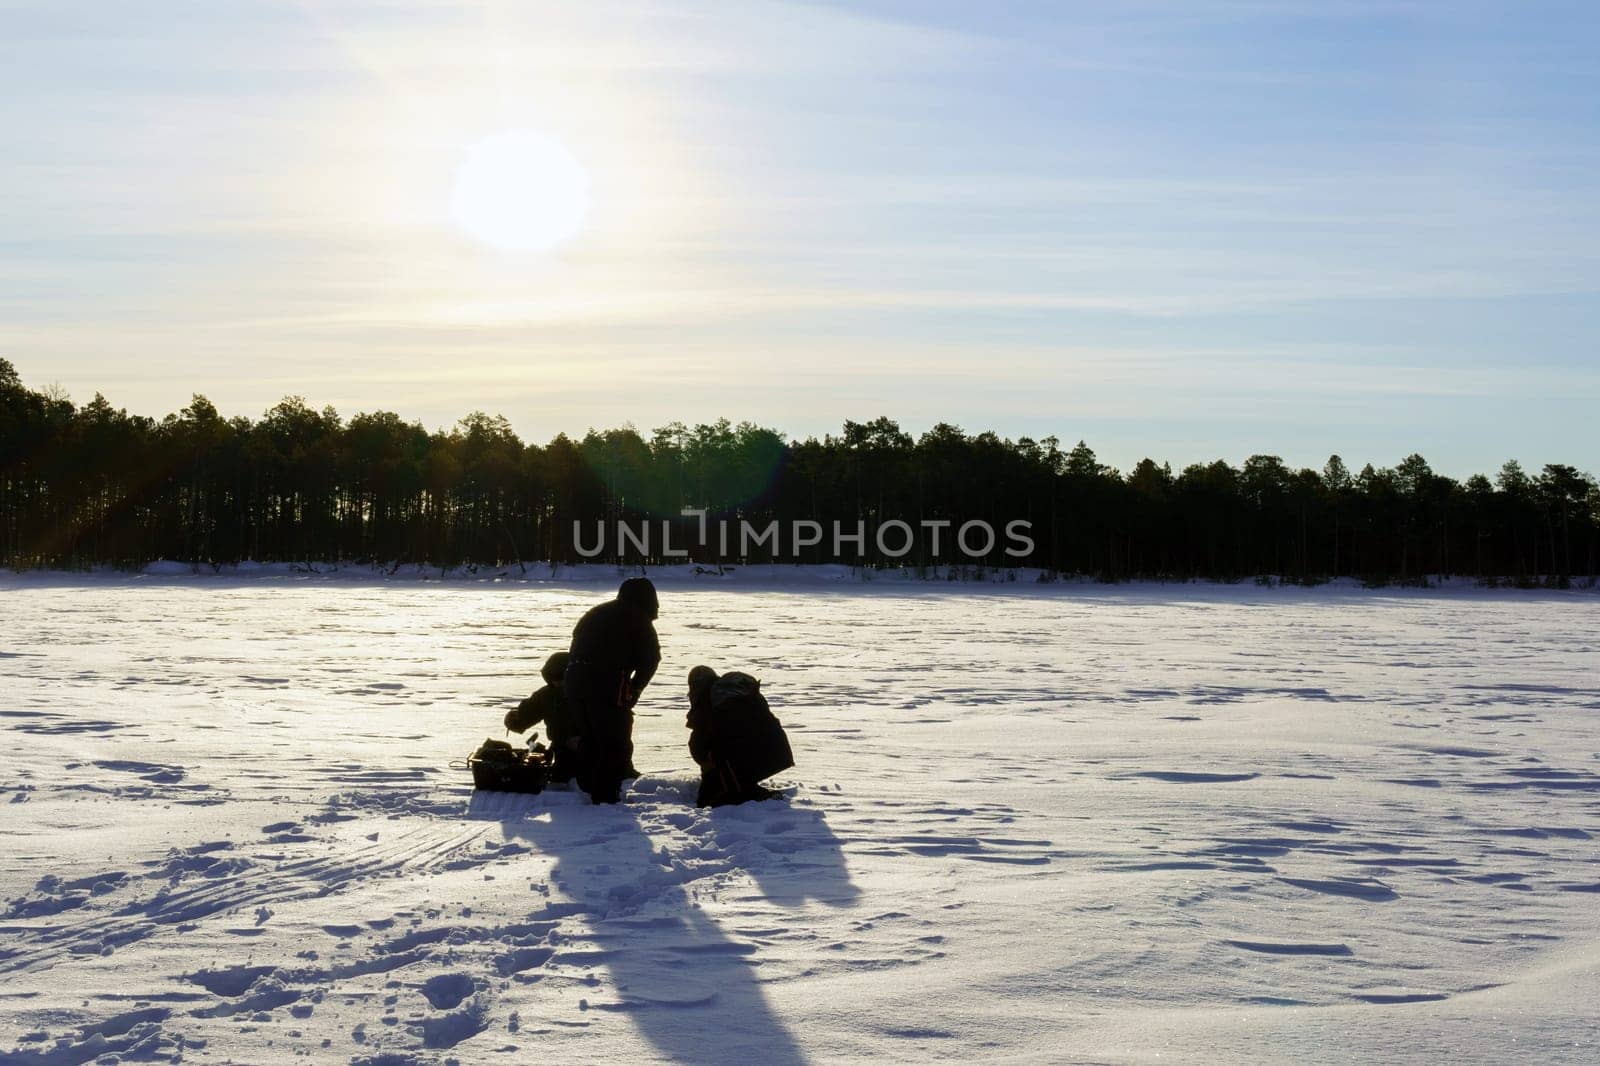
[1026,825]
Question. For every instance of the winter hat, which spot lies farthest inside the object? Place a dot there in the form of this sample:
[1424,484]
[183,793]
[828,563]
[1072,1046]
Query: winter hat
[701,677]
[640,593]
[555,668]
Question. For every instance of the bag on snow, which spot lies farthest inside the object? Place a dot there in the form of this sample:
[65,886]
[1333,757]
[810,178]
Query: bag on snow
[498,767]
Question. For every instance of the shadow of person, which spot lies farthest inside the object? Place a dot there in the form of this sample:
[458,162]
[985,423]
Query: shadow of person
[787,845]
[690,990]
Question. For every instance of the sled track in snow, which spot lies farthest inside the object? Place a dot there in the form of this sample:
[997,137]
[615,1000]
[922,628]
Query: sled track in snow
[421,848]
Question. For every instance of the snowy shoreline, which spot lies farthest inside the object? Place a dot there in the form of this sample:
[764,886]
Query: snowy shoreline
[1029,581]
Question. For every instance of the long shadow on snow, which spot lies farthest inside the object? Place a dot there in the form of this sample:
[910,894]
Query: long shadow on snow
[791,852]
[691,990]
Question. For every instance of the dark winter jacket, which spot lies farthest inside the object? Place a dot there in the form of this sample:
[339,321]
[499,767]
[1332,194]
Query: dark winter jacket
[548,705]
[618,638]
[734,736]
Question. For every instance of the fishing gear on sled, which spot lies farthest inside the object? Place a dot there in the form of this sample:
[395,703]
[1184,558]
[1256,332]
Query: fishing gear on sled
[498,767]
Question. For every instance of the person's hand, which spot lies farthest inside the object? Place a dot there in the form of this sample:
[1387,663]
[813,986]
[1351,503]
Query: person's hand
[511,721]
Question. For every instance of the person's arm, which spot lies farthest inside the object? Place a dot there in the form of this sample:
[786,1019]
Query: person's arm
[647,660]
[699,723]
[529,713]
[700,747]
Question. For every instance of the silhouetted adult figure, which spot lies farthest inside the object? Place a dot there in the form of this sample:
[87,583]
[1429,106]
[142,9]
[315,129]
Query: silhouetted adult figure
[614,655]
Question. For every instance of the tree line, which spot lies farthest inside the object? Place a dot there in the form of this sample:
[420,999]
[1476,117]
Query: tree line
[90,485]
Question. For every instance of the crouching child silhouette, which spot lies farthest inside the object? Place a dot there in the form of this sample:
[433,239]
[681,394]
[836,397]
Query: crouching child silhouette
[734,736]
[562,723]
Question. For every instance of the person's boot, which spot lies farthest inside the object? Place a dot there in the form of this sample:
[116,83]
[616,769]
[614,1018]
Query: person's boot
[608,791]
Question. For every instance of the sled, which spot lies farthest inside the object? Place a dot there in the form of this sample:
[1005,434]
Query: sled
[498,767]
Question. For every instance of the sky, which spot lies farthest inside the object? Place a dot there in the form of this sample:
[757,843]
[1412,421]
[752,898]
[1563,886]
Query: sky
[1190,230]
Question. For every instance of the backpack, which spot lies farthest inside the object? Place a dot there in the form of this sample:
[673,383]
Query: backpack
[745,733]
[738,691]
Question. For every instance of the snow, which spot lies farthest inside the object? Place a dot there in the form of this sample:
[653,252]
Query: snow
[1028,823]
[1015,580]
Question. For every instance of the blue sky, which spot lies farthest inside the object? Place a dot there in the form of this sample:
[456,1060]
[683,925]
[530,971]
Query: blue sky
[1186,230]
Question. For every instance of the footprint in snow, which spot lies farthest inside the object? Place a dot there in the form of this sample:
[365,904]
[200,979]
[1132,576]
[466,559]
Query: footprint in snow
[445,991]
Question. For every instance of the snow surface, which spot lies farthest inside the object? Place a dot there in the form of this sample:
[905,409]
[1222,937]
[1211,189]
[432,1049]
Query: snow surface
[1029,823]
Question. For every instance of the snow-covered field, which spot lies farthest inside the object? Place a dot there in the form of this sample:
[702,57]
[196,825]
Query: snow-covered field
[1028,824]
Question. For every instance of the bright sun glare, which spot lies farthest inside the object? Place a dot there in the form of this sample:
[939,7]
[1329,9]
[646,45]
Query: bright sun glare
[520,191]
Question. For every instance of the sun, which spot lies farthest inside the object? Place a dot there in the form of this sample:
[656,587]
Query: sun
[520,191]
